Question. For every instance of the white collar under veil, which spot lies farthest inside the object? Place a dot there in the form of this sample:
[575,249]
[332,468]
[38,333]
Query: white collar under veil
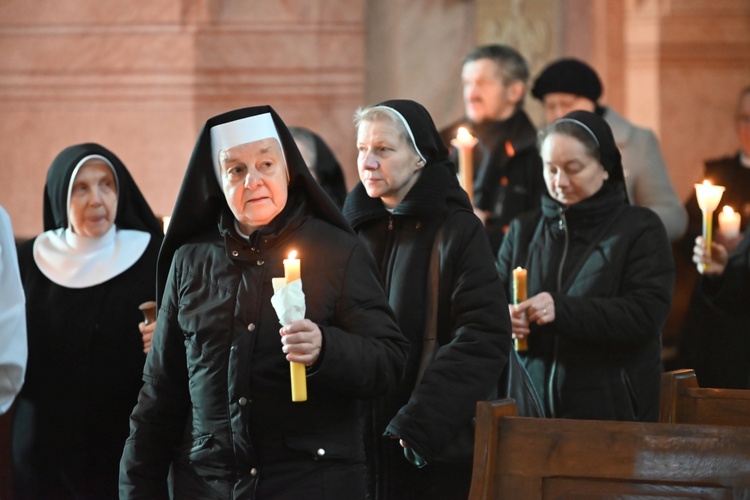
[74,261]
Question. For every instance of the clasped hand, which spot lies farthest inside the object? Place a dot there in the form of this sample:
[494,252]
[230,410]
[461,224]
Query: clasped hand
[539,309]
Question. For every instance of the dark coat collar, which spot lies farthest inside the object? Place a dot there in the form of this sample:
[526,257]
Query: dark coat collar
[435,192]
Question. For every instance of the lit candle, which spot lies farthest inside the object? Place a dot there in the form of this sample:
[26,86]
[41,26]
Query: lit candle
[165,223]
[291,267]
[708,199]
[296,370]
[465,143]
[519,295]
[729,222]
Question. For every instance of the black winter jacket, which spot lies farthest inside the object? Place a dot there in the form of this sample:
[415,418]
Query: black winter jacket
[230,412]
[473,324]
[609,269]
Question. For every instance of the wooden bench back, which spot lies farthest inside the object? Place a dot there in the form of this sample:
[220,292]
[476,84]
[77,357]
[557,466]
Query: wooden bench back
[535,458]
[684,402]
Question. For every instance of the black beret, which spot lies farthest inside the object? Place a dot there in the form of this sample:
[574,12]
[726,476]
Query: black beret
[570,76]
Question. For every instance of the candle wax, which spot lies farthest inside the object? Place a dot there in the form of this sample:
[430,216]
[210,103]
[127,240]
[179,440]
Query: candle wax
[297,371]
[729,222]
[519,295]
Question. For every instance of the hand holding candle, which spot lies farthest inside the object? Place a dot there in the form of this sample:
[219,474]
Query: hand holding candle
[149,323]
[465,143]
[520,294]
[708,197]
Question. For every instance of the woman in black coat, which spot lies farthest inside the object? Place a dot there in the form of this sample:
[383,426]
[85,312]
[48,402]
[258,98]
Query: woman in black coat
[715,341]
[600,280]
[216,405]
[409,200]
[84,278]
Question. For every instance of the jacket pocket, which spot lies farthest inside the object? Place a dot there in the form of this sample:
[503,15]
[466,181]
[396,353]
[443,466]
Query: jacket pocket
[203,456]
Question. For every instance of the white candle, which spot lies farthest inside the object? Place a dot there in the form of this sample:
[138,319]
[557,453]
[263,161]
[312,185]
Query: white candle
[708,199]
[165,223]
[465,143]
[729,222]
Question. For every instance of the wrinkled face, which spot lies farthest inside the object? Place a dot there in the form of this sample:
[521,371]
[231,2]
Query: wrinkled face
[92,207]
[388,166]
[558,104]
[254,180]
[486,97]
[743,123]
[570,173]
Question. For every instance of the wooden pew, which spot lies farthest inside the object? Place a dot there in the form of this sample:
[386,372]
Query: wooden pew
[684,402]
[535,458]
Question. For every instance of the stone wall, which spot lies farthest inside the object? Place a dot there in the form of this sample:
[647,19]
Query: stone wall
[142,79]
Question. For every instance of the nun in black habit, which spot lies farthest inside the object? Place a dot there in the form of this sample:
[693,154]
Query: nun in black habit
[84,278]
[600,280]
[216,403]
[409,209]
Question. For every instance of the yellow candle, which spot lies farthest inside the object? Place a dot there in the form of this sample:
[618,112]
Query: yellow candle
[296,370]
[708,197]
[729,222]
[465,143]
[519,295]
[291,267]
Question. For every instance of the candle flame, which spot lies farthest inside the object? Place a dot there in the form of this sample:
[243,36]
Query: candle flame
[463,135]
[293,254]
[729,211]
[706,182]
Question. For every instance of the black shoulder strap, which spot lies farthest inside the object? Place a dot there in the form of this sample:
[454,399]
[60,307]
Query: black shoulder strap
[429,341]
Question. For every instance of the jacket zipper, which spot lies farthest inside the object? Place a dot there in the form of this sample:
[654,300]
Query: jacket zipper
[553,369]
[387,255]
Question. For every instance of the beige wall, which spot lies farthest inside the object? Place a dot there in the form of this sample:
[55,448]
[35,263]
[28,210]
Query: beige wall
[414,51]
[675,66]
[142,80]
[693,73]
